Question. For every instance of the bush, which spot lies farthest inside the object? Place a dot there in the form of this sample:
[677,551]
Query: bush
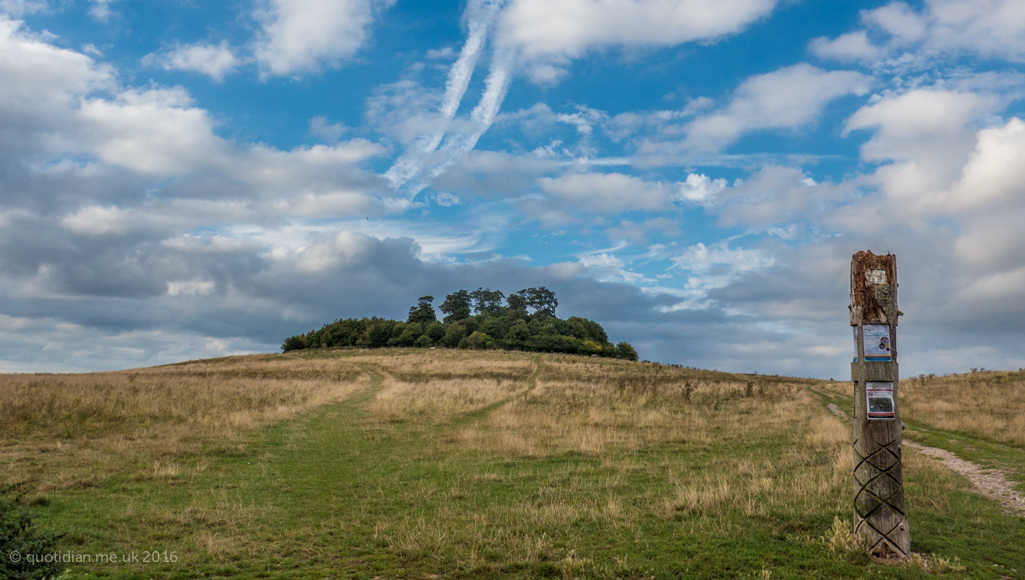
[479,341]
[18,534]
[424,342]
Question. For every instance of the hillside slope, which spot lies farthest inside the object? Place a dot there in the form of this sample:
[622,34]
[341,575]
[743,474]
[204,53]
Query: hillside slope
[454,464]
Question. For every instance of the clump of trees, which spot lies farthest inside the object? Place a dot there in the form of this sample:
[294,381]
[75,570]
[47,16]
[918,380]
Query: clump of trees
[478,319]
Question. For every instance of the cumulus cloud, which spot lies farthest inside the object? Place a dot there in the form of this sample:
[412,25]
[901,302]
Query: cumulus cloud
[42,84]
[789,98]
[994,177]
[927,133]
[605,266]
[778,195]
[551,33]
[854,46]
[301,36]
[986,28]
[700,189]
[214,61]
[604,192]
[155,131]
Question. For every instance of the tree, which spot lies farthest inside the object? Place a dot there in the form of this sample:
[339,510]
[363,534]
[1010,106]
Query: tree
[541,299]
[456,305]
[455,333]
[517,307]
[436,331]
[626,351]
[486,300]
[294,343]
[409,335]
[518,331]
[423,312]
[516,301]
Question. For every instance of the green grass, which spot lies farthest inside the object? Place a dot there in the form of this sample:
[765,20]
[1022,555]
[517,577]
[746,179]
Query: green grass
[335,493]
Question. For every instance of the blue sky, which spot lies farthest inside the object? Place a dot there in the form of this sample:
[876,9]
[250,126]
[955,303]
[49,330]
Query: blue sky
[182,180]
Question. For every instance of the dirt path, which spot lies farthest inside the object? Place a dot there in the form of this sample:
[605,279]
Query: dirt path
[991,483]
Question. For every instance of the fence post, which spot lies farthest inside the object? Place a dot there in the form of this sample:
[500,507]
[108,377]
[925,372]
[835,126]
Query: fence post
[880,518]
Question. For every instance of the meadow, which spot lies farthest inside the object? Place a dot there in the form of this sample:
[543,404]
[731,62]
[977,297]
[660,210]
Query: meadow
[414,463]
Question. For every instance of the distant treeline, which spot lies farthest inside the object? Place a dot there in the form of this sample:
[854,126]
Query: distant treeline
[480,319]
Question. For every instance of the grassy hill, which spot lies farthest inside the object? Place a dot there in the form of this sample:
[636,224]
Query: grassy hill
[412,463]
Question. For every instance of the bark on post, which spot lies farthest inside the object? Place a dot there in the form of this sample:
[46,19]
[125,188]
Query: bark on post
[880,518]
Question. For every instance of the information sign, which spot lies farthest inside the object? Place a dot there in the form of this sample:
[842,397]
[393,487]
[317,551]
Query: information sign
[879,398]
[877,342]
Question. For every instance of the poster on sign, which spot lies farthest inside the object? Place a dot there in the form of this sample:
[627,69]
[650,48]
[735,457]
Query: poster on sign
[879,399]
[877,342]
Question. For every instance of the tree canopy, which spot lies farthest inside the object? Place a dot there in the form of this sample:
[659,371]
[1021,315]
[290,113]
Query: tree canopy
[474,320]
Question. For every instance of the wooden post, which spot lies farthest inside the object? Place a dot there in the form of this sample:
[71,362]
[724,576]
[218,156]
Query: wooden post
[880,518]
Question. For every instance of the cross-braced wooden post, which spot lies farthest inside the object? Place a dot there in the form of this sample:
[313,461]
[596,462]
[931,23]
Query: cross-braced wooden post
[880,518]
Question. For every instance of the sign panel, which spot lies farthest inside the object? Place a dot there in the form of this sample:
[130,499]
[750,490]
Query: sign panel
[877,342]
[879,399]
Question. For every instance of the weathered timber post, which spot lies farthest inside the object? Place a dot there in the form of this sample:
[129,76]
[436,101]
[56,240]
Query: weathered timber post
[879,516]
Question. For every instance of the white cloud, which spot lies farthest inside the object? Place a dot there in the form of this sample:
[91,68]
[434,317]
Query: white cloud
[332,132]
[306,35]
[101,10]
[607,267]
[702,259]
[214,61]
[190,287]
[788,98]
[991,28]
[776,194]
[550,33]
[988,28]
[899,20]
[42,83]
[929,135]
[155,131]
[700,189]
[605,192]
[19,7]
[853,46]
[994,177]
[712,267]
[584,119]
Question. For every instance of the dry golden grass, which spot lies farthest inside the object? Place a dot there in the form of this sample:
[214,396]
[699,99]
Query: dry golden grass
[68,430]
[603,408]
[589,405]
[988,404]
[482,460]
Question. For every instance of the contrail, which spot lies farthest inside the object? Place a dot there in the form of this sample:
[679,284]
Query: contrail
[483,115]
[495,88]
[481,16]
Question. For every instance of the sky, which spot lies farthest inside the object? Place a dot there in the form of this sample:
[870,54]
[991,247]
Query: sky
[183,180]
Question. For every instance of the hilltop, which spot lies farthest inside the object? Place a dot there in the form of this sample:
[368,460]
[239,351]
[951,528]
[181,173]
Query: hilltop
[474,320]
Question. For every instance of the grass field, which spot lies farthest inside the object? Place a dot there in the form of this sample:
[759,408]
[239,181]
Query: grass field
[457,464]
